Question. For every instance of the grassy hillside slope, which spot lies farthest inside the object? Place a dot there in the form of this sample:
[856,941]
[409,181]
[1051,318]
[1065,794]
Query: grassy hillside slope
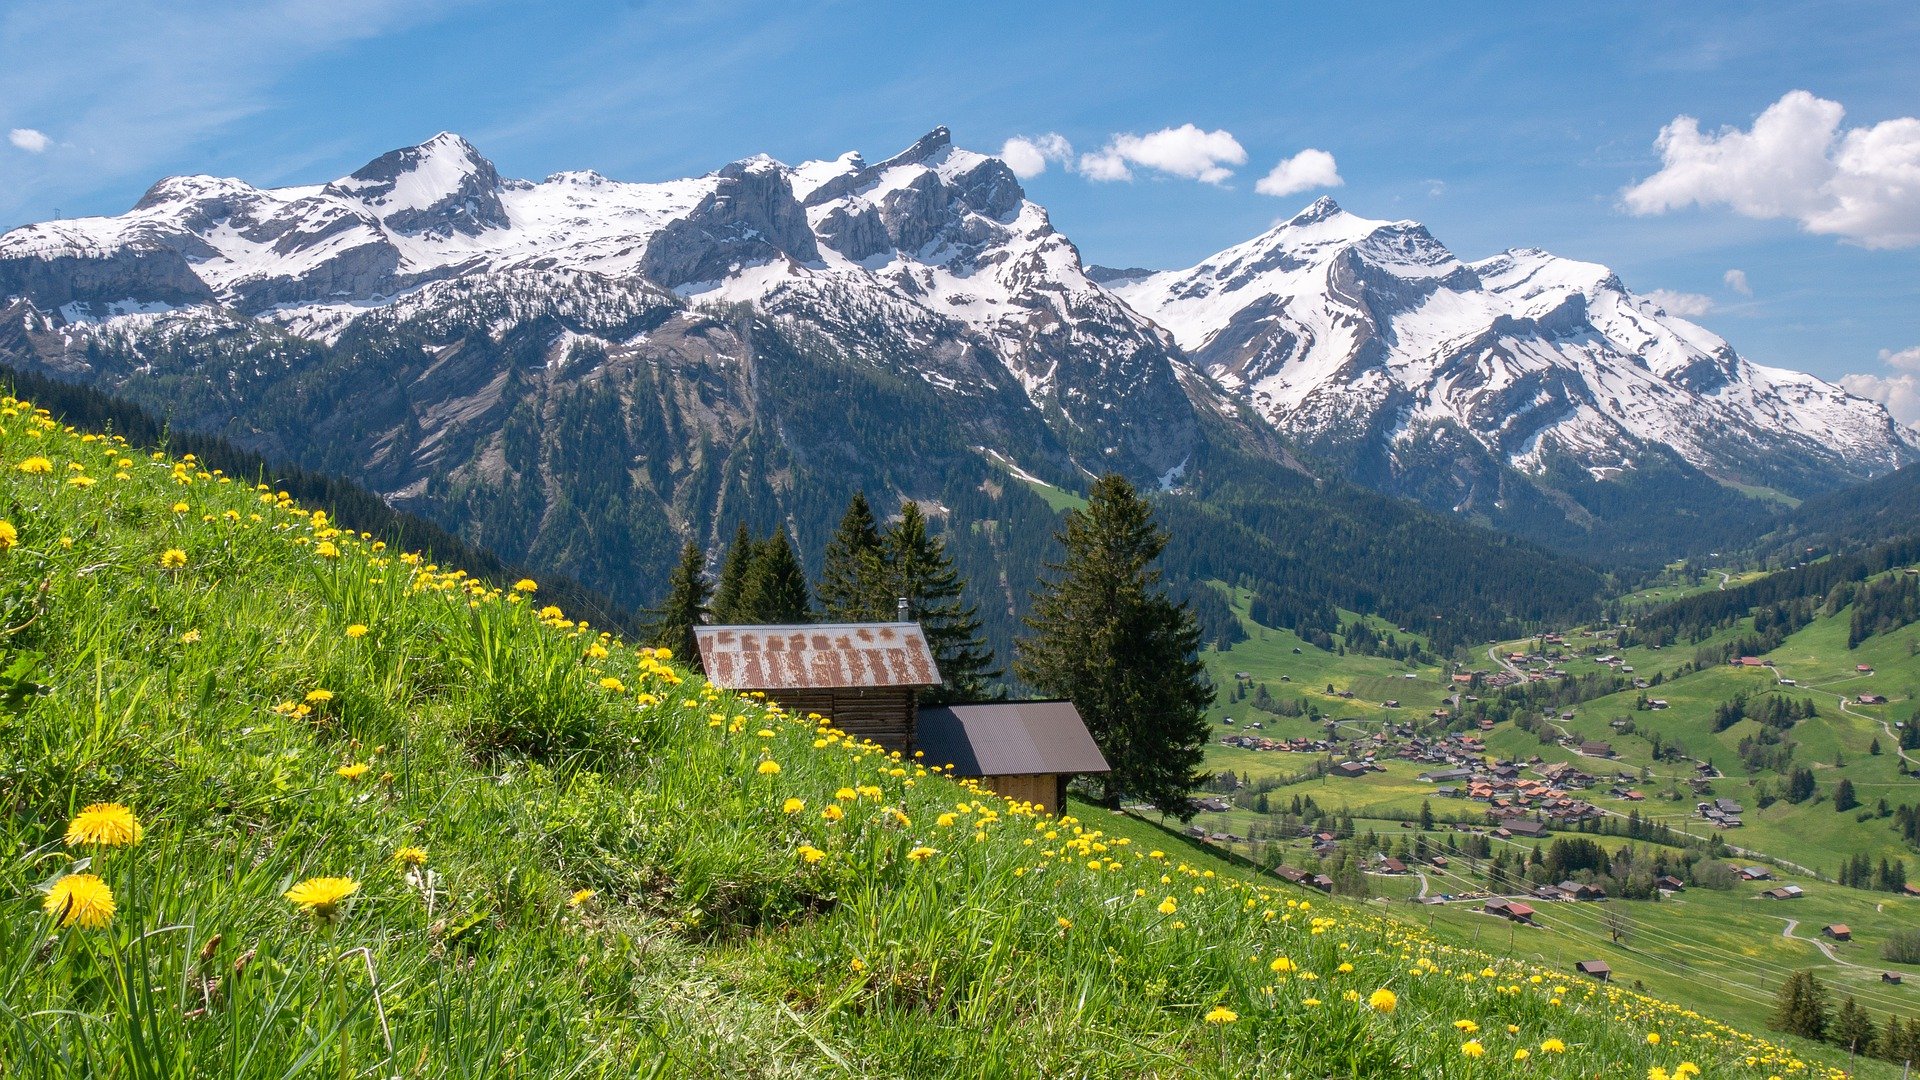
[528,850]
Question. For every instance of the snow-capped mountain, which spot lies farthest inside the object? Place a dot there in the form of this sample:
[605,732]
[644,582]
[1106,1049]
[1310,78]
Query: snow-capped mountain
[425,299]
[1369,340]
[935,250]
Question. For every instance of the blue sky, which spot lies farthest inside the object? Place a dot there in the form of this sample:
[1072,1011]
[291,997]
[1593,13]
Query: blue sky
[1498,125]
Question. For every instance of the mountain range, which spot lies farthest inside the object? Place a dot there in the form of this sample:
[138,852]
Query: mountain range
[584,370]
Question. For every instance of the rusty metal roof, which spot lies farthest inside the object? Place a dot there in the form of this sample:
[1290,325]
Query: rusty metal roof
[1009,738]
[821,656]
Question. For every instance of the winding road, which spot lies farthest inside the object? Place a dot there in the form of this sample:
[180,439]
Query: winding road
[1825,949]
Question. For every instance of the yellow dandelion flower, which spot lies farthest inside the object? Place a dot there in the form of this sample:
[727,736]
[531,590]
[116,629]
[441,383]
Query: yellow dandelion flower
[191,637]
[1472,1048]
[1653,1038]
[173,559]
[410,856]
[1065,923]
[768,768]
[321,896]
[352,772]
[613,684]
[1345,969]
[1466,1027]
[106,824]
[525,585]
[793,806]
[581,897]
[1220,1014]
[35,466]
[80,900]
[1383,1000]
[181,508]
[1553,1046]
[920,854]
[1283,965]
[9,536]
[833,813]
[810,853]
[80,481]
[1655,1072]
[846,794]
[1685,1069]
[1521,1054]
[319,696]
[856,965]
[357,630]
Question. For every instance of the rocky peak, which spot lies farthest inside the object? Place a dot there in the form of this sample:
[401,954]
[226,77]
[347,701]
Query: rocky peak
[439,187]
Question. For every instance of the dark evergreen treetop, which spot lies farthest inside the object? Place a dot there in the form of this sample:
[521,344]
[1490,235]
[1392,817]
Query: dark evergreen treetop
[1106,635]
[850,588]
[727,609]
[775,591]
[913,564]
[684,608]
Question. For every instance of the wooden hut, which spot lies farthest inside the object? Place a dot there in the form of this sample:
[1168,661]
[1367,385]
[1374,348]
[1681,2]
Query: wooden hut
[864,677]
[1024,750]
[1837,931]
[1596,968]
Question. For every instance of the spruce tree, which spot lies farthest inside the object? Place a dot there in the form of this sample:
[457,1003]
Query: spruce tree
[684,608]
[726,605]
[1801,1007]
[1105,635]
[1852,1027]
[775,590]
[1843,796]
[850,589]
[914,564]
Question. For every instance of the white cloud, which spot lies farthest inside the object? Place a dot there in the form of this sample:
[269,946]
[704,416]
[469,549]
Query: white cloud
[1737,281]
[29,140]
[1899,392]
[1304,171]
[1861,184]
[1684,304]
[1183,151]
[1028,155]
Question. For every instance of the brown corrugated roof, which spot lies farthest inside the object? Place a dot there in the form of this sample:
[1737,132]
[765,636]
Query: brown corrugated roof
[823,656]
[1009,738]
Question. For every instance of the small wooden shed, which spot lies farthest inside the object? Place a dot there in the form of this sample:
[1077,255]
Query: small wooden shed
[1837,931]
[1024,750]
[865,677]
[1596,968]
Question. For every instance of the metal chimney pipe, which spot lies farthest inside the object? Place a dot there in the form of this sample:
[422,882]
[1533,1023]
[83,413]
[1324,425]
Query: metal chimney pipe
[903,611]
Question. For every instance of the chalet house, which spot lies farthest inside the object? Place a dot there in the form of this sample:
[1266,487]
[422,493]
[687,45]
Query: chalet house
[865,677]
[1837,931]
[1024,750]
[1872,699]
[1890,977]
[1510,909]
[1447,776]
[1595,968]
[1390,865]
[1596,749]
[1754,873]
[1580,891]
[1349,769]
[1669,883]
[1321,882]
[1784,892]
[1523,827]
[1290,873]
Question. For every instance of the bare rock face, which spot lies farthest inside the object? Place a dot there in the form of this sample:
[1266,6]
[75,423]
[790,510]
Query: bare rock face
[439,188]
[750,217]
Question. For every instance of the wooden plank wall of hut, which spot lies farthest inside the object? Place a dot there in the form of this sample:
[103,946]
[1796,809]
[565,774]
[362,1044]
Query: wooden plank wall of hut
[883,714]
[1043,788]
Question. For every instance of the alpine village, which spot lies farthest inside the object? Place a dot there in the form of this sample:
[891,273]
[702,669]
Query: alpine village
[809,619]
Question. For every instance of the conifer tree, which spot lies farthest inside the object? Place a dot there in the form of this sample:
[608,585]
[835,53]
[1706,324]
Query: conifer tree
[775,590]
[914,564]
[727,609]
[850,589]
[1852,1027]
[1801,1007]
[1105,634]
[684,608]
[1843,796]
